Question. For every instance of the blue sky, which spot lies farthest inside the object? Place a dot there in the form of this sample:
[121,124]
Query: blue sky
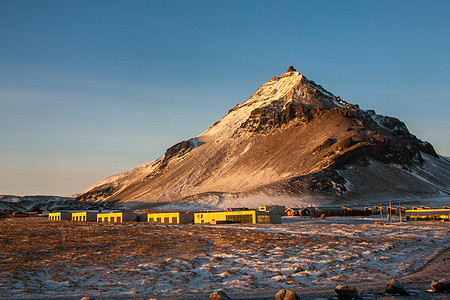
[92,88]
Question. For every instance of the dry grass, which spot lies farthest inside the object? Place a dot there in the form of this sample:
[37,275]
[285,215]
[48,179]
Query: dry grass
[40,257]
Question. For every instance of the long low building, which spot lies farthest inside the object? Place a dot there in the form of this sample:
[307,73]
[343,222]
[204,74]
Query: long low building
[425,214]
[174,217]
[171,217]
[332,211]
[242,216]
[118,217]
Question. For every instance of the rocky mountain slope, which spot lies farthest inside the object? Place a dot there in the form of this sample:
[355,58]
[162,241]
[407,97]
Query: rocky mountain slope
[293,143]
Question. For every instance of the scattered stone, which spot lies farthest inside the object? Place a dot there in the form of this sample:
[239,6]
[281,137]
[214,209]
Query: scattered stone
[286,295]
[344,292]
[441,286]
[220,295]
[394,287]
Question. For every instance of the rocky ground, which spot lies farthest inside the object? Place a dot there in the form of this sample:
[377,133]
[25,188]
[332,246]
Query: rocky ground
[40,259]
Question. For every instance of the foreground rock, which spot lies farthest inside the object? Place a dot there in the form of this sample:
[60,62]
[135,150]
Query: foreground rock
[394,287]
[220,295]
[344,292]
[441,286]
[286,295]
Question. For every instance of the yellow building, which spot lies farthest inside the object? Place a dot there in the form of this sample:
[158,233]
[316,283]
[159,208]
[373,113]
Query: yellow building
[171,217]
[242,216]
[84,216]
[117,217]
[426,214]
[58,216]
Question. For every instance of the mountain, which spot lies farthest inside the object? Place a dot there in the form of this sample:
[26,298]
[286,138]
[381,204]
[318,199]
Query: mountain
[50,203]
[292,143]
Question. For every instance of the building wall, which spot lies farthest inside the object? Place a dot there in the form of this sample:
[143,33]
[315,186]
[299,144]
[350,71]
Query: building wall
[58,216]
[247,216]
[84,217]
[274,219]
[171,217]
[116,217]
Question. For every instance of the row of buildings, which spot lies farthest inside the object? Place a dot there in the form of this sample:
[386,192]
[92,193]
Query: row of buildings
[264,214]
[327,211]
[212,217]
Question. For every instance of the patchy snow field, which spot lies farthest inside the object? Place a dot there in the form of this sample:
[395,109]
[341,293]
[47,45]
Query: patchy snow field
[45,258]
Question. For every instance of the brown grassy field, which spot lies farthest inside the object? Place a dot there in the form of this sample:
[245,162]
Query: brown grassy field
[40,257]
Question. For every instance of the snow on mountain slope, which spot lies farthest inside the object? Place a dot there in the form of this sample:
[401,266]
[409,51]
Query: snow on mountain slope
[290,142]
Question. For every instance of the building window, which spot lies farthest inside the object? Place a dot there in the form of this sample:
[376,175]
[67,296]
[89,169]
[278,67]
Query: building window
[240,219]
[263,219]
[158,220]
[166,220]
[119,219]
[174,220]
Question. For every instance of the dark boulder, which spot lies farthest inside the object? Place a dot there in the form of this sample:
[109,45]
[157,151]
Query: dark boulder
[441,286]
[394,287]
[344,292]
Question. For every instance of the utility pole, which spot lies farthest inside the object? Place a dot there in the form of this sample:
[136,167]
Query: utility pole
[381,211]
[389,212]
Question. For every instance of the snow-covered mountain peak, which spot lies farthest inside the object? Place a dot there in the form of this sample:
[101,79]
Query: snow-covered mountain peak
[277,94]
[277,88]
